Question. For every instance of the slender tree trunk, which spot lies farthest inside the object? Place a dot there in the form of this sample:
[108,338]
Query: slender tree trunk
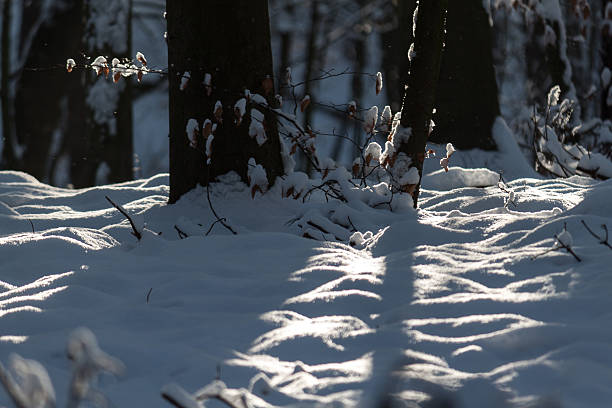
[9,160]
[606,57]
[466,102]
[395,45]
[119,154]
[230,42]
[43,120]
[422,83]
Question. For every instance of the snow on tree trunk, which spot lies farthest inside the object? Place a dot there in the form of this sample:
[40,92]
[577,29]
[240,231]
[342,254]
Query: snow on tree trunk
[422,82]
[223,48]
[108,136]
[466,102]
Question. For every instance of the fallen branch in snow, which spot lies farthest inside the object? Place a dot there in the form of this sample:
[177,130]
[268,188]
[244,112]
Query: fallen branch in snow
[32,224]
[602,240]
[149,294]
[181,233]
[135,230]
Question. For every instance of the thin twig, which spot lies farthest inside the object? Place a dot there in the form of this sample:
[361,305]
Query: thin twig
[135,231]
[181,233]
[149,294]
[602,240]
[567,248]
[219,219]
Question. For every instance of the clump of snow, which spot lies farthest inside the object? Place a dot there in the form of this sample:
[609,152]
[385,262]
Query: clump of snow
[370,119]
[193,131]
[240,110]
[295,184]
[597,164]
[258,180]
[386,117]
[140,57]
[359,240]
[99,64]
[256,127]
[379,82]
[70,64]
[185,78]
[372,152]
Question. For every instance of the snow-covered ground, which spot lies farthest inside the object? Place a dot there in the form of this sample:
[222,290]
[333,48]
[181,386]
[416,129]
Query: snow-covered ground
[462,300]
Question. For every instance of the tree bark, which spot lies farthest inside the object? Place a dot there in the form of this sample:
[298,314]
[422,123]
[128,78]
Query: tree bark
[9,160]
[422,82]
[395,46]
[466,102]
[230,41]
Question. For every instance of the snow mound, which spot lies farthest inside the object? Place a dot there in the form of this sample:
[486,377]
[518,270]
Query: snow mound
[458,177]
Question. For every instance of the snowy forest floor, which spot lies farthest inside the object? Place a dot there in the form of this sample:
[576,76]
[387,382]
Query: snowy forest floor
[448,298]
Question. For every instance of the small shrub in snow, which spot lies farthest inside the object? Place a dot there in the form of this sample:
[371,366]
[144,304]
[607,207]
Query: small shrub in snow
[29,384]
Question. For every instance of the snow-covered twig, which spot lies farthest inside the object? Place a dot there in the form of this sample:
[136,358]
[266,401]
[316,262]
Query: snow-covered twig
[137,232]
[602,240]
[564,241]
[510,197]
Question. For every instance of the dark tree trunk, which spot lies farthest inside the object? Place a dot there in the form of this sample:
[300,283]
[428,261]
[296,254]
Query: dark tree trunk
[9,161]
[119,154]
[466,102]
[108,136]
[606,58]
[43,120]
[229,40]
[422,82]
[396,44]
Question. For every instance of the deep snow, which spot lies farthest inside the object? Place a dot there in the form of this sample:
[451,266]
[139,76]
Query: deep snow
[448,298]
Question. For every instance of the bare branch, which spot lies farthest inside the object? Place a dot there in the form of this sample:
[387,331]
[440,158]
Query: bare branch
[135,231]
[602,240]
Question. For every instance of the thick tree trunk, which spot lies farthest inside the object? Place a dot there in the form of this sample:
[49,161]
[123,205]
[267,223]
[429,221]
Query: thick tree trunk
[422,82]
[466,103]
[230,41]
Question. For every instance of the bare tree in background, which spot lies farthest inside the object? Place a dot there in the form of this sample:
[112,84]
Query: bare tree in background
[466,103]
[107,145]
[217,50]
